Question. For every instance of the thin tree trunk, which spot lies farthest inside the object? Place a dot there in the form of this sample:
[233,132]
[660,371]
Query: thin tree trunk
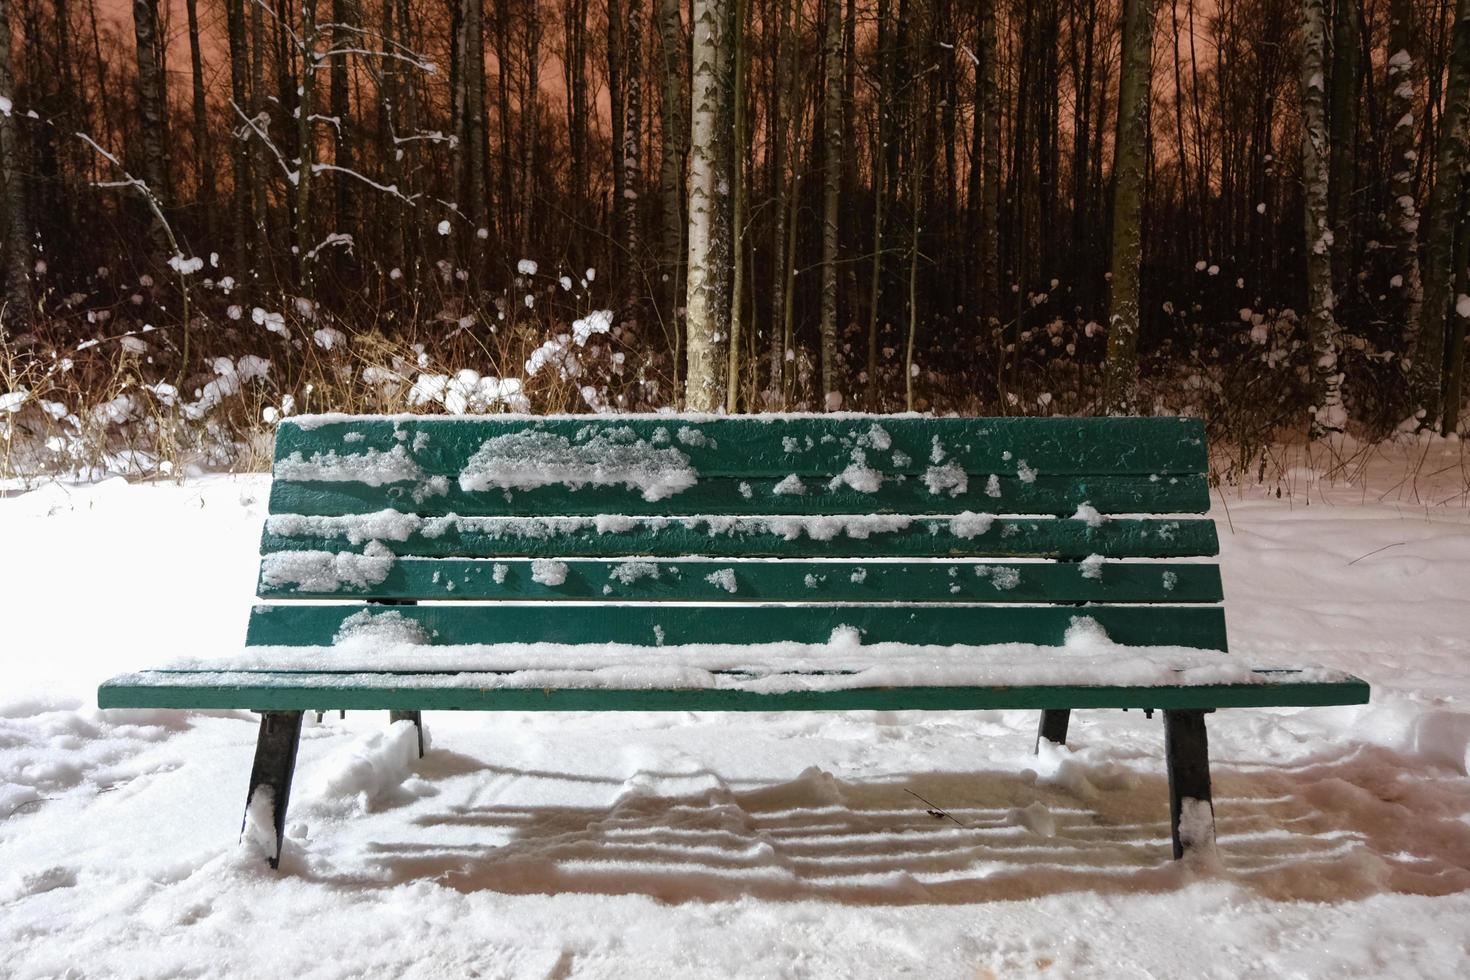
[17,237]
[782,130]
[203,153]
[615,98]
[473,185]
[259,115]
[629,159]
[343,135]
[708,300]
[530,123]
[152,114]
[306,147]
[831,192]
[737,222]
[1450,157]
[1328,415]
[1403,211]
[989,104]
[1346,40]
[1120,378]
[239,146]
[673,119]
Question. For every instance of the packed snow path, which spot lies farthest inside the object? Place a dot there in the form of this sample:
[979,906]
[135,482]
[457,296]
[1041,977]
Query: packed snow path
[564,845]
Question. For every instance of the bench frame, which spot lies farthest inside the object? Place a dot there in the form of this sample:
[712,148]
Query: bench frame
[1148,468]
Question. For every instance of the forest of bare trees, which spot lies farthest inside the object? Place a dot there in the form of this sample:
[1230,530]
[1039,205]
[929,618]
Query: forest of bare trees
[1254,209]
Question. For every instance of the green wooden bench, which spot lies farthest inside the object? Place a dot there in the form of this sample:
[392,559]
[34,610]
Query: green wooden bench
[652,563]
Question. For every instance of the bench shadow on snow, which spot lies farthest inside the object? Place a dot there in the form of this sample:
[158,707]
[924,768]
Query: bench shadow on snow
[1350,823]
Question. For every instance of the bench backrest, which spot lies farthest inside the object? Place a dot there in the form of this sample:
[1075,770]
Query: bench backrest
[912,529]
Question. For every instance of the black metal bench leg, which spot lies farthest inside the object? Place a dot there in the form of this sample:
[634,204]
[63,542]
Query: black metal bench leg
[275,764]
[417,717]
[1053,726]
[1191,809]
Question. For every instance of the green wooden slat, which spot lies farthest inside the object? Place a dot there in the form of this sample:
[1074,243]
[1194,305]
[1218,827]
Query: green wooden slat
[1057,495]
[417,692]
[774,446]
[1201,627]
[579,538]
[798,581]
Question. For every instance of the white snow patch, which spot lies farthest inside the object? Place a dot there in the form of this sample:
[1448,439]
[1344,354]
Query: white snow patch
[724,578]
[546,571]
[968,524]
[529,459]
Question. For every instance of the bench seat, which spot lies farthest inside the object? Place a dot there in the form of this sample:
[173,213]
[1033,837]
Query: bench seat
[774,563]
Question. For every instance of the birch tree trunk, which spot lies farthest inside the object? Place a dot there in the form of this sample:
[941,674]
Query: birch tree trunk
[1403,212]
[831,191]
[1429,359]
[1120,376]
[17,242]
[672,120]
[152,113]
[1328,414]
[708,298]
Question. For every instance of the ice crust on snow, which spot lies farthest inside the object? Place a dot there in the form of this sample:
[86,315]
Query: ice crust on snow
[530,459]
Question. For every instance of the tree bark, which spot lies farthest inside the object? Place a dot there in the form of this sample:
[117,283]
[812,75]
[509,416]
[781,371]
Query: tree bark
[152,114]
[831,192]
[203,153]
[1346,41]
[629,159]
[1403,211]
[672,116]
[240,146]
[708,296]
[17,233]
[1429,371]
[989,104]
[739,149]
[615,98]
[1328,414]
[343,135]
[1120,379]
[306,147]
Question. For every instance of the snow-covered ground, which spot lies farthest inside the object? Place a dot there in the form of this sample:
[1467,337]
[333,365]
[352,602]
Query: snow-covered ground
[758,845]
